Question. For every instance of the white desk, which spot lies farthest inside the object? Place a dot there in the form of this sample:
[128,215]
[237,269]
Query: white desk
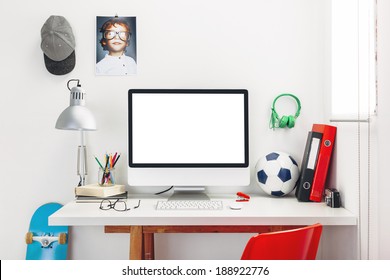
[260,214]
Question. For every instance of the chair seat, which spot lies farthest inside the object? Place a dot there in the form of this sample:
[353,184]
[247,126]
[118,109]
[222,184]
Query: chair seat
[296,244]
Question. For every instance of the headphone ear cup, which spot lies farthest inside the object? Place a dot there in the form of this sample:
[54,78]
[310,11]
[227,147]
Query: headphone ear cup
[291,122]
[283,122]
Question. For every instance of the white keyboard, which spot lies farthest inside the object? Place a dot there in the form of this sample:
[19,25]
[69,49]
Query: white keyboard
[189,205]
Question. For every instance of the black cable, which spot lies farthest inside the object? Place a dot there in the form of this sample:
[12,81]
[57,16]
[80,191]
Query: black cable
[164,191]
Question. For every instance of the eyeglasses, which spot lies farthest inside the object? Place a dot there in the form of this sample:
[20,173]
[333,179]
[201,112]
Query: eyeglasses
[110,34]
[117,205]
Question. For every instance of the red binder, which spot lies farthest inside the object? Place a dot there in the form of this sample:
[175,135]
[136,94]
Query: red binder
[323,161]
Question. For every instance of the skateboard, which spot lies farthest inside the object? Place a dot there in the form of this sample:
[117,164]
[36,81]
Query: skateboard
[46,242]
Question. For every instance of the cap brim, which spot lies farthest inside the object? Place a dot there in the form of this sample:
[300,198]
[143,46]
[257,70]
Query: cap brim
[60,67]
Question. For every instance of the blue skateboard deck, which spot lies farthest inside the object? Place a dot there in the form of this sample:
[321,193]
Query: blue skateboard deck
[46,242]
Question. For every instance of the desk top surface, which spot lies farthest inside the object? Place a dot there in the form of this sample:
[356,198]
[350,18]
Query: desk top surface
[258,211]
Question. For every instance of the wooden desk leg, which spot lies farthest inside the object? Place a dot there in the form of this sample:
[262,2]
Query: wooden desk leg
[148,246]
[136,242]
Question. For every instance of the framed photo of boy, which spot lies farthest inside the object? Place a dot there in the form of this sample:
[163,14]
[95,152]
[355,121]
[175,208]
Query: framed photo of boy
[116,46]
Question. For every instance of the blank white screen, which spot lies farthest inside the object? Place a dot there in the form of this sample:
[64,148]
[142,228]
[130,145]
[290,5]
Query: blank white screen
[188,128]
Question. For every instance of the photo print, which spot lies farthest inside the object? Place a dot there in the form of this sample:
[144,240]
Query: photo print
[116,46]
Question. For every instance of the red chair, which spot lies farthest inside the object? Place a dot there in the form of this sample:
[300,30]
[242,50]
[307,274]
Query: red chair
[296,244]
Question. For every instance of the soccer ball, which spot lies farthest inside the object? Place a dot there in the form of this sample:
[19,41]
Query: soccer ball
[277,173]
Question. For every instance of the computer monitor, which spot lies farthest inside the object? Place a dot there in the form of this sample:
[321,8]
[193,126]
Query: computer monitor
[188,138]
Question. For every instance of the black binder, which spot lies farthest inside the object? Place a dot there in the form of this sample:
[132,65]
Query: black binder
[308,167]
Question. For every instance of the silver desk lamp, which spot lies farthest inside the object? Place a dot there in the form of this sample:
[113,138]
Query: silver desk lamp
[78,117]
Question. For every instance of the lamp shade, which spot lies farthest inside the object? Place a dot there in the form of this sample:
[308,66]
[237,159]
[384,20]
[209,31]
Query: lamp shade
[76,116]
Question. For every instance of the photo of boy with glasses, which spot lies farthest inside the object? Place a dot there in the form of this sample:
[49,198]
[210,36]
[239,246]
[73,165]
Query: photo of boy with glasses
[115,37]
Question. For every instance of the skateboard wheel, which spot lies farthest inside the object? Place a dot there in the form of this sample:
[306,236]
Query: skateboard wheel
[62,238]
[29,237]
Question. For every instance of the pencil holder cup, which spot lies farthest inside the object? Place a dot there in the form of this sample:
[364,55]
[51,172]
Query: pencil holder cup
[106,177]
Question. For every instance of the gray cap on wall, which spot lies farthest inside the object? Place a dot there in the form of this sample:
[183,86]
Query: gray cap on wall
[58,45]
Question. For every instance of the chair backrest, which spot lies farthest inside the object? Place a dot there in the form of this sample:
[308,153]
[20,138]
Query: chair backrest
[296,244]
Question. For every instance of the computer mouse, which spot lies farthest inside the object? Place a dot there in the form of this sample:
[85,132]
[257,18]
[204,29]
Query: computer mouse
[235,205]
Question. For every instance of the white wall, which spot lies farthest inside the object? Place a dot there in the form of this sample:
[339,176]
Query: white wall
[268,47]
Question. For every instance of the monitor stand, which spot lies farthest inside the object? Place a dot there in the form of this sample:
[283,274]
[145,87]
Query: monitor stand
[189,193]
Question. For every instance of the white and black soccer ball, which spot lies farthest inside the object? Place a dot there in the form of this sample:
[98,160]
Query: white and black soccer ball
[277,173]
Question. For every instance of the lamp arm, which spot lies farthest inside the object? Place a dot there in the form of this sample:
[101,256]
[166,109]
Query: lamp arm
[82,160]
[78,160]
[85,161]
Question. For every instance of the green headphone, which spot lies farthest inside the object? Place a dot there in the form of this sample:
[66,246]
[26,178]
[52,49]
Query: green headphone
[289,121]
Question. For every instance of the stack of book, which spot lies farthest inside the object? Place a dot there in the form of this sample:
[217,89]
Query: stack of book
[315,163]
[96,193]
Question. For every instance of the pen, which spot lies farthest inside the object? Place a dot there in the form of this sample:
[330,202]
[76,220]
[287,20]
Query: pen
[113,159]
[105,171]
[116,160]
[111,177]
[97,160]
[107,162]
